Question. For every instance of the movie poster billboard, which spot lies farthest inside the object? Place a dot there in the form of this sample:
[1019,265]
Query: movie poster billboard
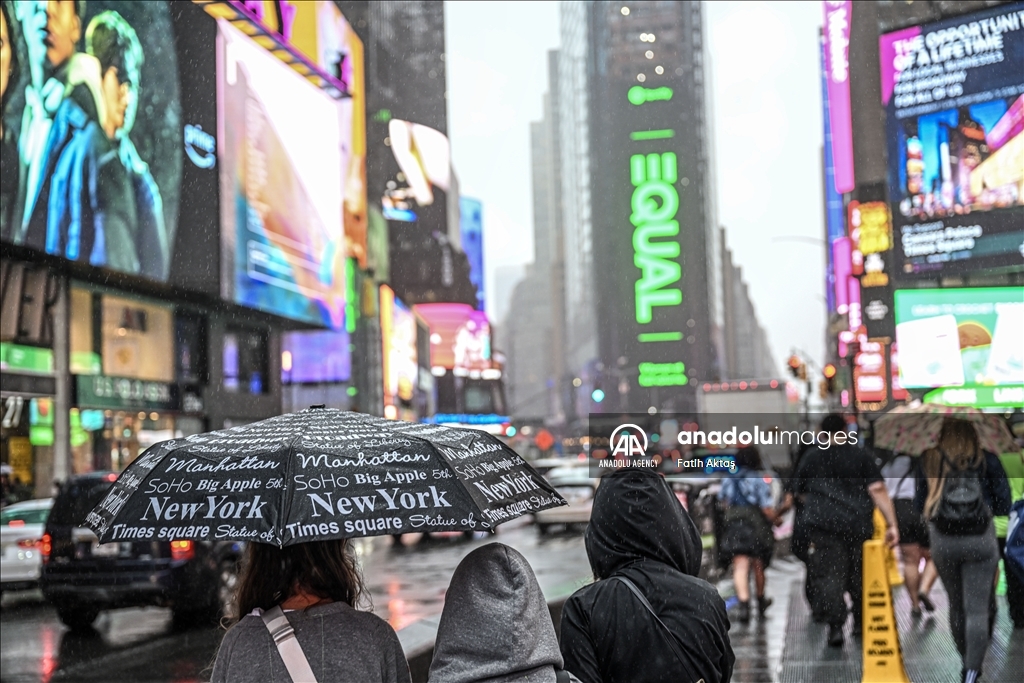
[283,147]
[953,93]
[460,337]
[108,135]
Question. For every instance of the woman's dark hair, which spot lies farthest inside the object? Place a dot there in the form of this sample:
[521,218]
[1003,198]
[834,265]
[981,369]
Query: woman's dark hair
[748,458]
[270,574]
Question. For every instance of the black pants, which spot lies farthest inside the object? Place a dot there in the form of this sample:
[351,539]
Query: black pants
[1014,590]
[834,567]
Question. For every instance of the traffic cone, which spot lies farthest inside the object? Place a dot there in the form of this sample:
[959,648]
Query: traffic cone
[883,661]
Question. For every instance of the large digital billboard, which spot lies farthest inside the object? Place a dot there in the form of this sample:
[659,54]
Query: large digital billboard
[471,228]
[460,337]
[398,336]
[954,101]
[421,177]
[282,146]
[960,337]
[316,356]
[108,137]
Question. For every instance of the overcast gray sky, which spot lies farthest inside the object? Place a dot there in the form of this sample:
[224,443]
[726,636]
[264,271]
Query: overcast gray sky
[765,86]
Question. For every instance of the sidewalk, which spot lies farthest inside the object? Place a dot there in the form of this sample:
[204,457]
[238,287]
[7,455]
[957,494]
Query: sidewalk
[929,654]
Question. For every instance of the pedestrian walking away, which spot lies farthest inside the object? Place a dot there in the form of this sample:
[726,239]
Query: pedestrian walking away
[748,540]
[840,486]
[900,479]
[647,618]
[495,626]
[1013,465]
[961,487]
[300,621]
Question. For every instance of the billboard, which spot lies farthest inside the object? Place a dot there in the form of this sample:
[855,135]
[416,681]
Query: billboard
[420,177]
[283,147]
[960,337]
[398,336]
[471,228]
[954,106]
[460,337]
[315,357]
[108,146]
[836,34]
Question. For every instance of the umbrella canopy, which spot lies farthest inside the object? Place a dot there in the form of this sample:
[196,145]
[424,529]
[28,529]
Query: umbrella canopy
[320,474]
[915,429]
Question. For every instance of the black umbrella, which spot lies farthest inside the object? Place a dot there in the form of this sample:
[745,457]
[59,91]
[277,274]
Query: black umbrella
[320,474]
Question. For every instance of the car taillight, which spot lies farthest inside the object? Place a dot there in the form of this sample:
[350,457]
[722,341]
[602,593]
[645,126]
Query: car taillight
[28,543]
[45,546]
[182,550]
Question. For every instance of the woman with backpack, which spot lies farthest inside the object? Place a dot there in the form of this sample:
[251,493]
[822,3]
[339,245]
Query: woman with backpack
[299,622]
[962,488]
[748,540]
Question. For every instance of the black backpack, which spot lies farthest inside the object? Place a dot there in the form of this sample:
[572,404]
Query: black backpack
[962,510]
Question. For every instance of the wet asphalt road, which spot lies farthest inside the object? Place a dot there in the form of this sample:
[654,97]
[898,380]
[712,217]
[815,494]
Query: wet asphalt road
[405,583]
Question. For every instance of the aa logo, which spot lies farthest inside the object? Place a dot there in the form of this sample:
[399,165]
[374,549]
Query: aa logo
[629,441]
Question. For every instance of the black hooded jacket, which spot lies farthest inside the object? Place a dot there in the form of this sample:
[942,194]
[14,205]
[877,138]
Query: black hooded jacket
[639,530]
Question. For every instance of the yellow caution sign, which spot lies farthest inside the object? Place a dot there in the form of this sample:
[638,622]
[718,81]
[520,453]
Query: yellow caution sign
[895,578]
[883,661]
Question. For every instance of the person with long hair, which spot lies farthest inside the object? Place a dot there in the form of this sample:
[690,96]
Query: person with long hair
[748,539]
[317,586]
[963,538]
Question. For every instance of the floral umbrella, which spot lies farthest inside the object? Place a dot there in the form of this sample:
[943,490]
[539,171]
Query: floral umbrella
[915,429]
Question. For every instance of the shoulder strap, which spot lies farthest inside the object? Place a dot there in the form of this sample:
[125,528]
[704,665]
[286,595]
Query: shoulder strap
[288,645]
[671,636]
[562,676]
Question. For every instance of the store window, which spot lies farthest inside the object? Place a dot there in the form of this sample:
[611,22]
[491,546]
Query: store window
[84,357]
[138,340]
[245,360]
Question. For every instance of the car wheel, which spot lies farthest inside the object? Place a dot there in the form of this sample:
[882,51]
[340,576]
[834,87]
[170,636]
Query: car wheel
[78,617]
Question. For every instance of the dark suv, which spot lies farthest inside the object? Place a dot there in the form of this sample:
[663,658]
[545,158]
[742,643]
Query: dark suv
[81,577]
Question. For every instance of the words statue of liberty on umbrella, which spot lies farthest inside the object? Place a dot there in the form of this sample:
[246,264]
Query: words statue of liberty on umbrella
[316,475]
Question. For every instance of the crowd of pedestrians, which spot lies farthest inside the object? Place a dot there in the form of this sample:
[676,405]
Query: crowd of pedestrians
[648,617]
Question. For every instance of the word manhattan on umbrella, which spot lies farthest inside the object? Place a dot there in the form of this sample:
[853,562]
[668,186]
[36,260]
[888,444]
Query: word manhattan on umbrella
[320,474]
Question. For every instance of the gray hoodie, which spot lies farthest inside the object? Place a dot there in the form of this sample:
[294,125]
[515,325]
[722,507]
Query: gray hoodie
[495,627]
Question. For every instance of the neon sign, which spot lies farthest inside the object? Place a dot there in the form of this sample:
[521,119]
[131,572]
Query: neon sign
[655,204]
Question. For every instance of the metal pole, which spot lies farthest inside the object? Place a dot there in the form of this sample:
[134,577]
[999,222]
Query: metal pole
[62,375]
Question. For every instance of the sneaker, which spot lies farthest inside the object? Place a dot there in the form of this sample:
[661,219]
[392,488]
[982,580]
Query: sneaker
[915,612]
[835,636]
[743,612]
[926,602]
[763,603]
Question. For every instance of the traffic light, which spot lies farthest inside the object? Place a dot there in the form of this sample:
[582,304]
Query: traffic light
[829,371]
[794,365]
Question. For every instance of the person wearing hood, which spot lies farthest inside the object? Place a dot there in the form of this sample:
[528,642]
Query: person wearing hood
[495,626]
[647,618]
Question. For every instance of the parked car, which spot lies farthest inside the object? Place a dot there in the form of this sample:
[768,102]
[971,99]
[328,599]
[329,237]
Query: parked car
[21,530]
[81,577]
[579,492]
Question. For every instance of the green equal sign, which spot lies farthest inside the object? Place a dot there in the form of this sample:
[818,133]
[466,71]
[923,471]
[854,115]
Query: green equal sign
[659,336]
[653,134]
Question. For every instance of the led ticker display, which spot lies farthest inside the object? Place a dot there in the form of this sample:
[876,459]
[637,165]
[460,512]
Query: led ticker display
[960,337]
[954,101]
[282,148]
[460,337]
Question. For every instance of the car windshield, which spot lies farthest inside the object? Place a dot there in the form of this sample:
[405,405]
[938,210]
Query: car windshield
[575,495]
[24,516]
[77,500]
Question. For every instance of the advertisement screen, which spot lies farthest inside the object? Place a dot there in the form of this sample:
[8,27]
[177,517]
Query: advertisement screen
[316,356]
[954,100]
[460,337]
[960,337]
[283,150]
[471,227]
[398,335]
[418,188]
[106,133]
